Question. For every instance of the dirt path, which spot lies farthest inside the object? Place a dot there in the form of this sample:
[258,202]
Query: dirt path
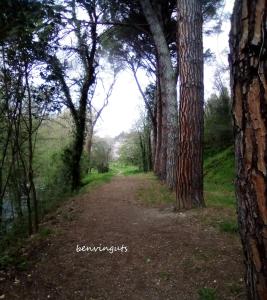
[169,256]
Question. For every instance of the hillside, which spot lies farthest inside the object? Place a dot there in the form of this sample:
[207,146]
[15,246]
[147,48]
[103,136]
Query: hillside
[219,174]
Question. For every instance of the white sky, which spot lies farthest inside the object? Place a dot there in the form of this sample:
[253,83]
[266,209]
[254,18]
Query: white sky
[123,108]
[125,102]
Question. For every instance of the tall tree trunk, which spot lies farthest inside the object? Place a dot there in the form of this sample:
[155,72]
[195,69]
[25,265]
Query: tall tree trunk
[29,210]
[157,164]
[149,152]
[164,131]
[249,90]
[154,144]
[1,213]
[89,139]
[190,153]
[30,174]
[154,132]
[143,151]
[168,93]
[77,150]
[1,201]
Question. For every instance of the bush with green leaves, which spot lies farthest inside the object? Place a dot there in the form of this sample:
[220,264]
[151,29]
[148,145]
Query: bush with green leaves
[218,122]
[129,152]
[100,155]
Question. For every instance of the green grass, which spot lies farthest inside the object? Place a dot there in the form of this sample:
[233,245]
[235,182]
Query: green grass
[96,179]
[223,219]
[207,294]
[155,192]
[229,226]
[130,170]
[219,177]
[219,192]
[218,186]
[45,232]
[125,170]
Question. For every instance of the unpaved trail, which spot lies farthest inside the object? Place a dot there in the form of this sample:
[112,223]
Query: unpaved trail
[170,256]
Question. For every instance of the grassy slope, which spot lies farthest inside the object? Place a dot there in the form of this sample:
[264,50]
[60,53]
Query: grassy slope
[219,176]
[218,191]
[218,183]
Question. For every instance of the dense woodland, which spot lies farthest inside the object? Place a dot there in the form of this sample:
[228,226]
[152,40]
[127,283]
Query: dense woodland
[54,58]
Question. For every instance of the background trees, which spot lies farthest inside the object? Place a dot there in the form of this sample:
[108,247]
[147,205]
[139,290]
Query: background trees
[218,133]
[248,83]
[101,155]
[40,47]
[136,46]
[25,103]
[136,147]
[85,48]
[61,46]
[167,81]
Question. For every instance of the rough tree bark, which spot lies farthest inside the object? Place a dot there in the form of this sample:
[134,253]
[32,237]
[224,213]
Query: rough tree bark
[30,173]
[89,136]
[1,208]
[159,130]
[189,190]
[248,63]
[168,95]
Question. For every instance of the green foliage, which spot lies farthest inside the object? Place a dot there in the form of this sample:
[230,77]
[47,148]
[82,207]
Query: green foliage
[136,146]
[207,294]
[218,133]
[19,17]
[53,139]
[13,241]
[51,162]
[94,178]
[12,259]
[129,152]
[100,155]
[10,244]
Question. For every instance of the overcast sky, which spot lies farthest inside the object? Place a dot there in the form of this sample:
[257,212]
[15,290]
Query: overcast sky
[125,103]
